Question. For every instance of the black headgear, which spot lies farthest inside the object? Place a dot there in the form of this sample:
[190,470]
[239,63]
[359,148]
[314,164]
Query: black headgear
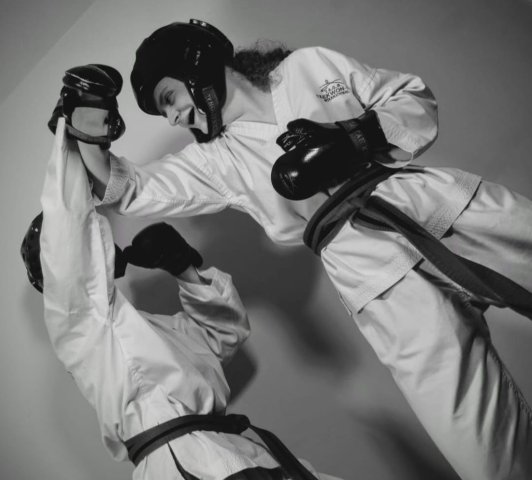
[196,54]
[31,251]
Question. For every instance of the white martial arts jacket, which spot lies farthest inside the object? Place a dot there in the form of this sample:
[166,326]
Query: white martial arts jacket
[137,369]
[234,169]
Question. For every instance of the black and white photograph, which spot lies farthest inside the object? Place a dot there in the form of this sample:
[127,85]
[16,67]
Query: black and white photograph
[266,240]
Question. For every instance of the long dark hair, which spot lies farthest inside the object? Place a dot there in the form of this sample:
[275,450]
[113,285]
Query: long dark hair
[257,62]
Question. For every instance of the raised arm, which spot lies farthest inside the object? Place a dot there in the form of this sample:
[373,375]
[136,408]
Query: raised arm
[213,312]
[77,255]
[213,309]
[172,186]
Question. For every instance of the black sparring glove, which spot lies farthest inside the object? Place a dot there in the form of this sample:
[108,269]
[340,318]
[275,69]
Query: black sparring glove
[320,156]
[92,85]
[161,246]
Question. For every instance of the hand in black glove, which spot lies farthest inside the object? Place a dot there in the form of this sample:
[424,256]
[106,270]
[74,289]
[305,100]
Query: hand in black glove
[88,103]
[161,246]
[361,136]
[320,156]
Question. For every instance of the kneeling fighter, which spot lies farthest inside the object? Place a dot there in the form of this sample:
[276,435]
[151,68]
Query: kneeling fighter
[156,381]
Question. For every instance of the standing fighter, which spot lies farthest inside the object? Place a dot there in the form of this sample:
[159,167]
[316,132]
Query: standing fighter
[155,381]
[316,146]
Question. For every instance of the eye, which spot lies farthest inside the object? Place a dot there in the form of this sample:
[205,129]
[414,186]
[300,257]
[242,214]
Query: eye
[168,98]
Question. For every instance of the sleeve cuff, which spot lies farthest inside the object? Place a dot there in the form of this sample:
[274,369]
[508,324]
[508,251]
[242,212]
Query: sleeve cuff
[217,287]
[121,174]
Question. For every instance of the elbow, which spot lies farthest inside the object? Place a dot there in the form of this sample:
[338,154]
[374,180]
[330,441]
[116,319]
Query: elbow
[426,126]
[245,331]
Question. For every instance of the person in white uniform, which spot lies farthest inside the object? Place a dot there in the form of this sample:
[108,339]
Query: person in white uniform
[279,134]
[155,381]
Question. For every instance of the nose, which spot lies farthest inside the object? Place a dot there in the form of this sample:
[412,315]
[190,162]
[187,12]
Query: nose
[172,115]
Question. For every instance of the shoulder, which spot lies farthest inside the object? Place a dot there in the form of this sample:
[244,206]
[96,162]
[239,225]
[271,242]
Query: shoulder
[314,57]
[195,155]
[315,64]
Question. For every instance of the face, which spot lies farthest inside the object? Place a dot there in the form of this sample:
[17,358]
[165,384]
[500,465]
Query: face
[174,102]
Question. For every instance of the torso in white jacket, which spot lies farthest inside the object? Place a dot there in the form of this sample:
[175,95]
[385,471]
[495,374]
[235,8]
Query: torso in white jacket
[234,169]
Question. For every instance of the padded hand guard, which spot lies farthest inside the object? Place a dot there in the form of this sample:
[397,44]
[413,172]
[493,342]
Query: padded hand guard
[92,85]
[161,246]
[320,156]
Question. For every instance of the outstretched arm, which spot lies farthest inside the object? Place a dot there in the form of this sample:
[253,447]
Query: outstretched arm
[170,187]
[77,255]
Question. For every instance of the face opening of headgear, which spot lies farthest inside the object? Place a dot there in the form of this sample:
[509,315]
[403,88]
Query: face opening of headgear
[194,53]
[30,250]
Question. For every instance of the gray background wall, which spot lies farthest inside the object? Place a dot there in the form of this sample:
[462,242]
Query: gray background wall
[306,372]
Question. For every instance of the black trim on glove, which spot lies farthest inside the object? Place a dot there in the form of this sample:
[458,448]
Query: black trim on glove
[365,133]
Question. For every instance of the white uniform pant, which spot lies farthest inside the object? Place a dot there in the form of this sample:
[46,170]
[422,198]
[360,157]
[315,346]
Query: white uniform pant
[434,339]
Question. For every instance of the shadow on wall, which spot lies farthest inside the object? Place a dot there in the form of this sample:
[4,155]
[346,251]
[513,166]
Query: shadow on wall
[278,279]
[404,448]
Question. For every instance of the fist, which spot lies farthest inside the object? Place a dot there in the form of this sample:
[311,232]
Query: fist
[161,246]
[88,103]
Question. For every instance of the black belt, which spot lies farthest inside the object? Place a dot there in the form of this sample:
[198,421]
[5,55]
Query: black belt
[353,202]
[146,442]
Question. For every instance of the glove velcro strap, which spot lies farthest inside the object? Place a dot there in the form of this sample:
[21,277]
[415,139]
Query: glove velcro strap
[365,133]
[103,141]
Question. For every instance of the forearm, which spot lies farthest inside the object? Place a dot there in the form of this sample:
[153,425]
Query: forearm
[97,164]
[217,311]
[191,275]
[407,112]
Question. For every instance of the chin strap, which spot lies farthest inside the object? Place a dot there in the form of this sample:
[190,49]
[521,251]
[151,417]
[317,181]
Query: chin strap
[209,104]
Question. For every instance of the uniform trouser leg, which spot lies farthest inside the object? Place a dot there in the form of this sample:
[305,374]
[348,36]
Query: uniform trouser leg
[435,341]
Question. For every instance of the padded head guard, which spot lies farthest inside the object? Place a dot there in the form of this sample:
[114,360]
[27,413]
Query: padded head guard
[194,53]
[30,251]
